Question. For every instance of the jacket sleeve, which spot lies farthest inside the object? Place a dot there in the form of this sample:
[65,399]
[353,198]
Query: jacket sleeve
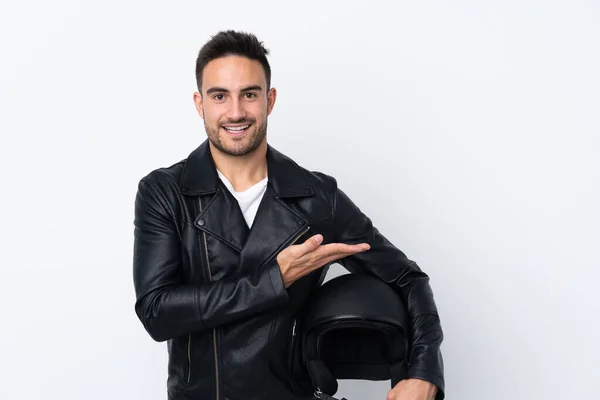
[390,264]
[168,307]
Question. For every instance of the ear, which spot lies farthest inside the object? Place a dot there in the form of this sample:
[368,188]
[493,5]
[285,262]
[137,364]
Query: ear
[271,97]
[198,104]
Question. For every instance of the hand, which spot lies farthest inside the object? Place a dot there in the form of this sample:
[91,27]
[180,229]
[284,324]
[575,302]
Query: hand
[413,389]
[301,259]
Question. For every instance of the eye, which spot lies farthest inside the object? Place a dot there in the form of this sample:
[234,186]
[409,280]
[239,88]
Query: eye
[250,95]
[219,97]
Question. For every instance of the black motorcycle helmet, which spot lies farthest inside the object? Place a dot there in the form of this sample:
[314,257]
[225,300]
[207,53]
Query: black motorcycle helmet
[355,327]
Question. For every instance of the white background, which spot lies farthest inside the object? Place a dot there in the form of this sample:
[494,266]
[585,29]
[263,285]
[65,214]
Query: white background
[467,130]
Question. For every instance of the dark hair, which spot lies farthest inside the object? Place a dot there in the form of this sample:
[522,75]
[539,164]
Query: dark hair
[228,43]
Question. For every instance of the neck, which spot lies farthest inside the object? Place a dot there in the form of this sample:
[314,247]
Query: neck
[242,171]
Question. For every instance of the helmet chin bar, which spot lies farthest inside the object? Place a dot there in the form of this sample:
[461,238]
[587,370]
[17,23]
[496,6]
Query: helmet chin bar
[355,328]
[323,396]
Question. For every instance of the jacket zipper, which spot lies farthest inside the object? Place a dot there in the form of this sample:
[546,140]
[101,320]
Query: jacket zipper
[214,329]
[295,322]
[291,354]
[189,355]
[292,342]
[299,235]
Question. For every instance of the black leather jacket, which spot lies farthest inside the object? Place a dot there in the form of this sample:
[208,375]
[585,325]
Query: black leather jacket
[211,287]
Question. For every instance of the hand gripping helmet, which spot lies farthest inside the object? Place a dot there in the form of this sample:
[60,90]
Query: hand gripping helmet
[355,327]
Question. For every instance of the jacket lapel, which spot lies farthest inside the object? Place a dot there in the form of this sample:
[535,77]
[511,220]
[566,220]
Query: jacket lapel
[223,218]
[276,225]
[220,215]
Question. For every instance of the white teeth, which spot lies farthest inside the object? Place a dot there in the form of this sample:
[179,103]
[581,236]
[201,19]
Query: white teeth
[237,128]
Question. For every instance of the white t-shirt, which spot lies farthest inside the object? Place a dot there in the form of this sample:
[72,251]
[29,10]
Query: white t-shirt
[249,199]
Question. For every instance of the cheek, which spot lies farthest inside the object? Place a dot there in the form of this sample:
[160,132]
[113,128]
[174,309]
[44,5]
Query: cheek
[258,111]
[212,116]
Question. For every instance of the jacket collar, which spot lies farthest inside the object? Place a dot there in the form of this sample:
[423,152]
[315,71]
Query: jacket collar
[200,177]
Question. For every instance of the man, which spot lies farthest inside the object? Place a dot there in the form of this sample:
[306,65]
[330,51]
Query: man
[231,242]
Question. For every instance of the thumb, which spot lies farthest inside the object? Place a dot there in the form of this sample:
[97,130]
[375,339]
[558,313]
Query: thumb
[391,395]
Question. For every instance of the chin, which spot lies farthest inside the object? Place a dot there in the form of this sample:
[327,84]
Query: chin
[237,149]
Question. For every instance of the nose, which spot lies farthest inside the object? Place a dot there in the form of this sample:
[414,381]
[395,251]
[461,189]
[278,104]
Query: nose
[236,111]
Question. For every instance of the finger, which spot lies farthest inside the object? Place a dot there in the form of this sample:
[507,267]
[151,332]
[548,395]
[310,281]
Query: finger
[310,244]
[332,258]
[360,246]
[341,249]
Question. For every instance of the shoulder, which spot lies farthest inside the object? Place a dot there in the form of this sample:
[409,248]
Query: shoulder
[321,180]
[167,177]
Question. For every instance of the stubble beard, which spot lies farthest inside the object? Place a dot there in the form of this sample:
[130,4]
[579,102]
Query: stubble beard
[253,140]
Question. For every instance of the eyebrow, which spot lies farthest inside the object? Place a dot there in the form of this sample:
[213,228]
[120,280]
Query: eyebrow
[223,90]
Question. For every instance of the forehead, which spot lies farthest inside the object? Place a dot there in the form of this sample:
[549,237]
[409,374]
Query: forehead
[233,72]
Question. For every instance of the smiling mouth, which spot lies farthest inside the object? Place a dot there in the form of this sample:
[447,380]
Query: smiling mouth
[237,129]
